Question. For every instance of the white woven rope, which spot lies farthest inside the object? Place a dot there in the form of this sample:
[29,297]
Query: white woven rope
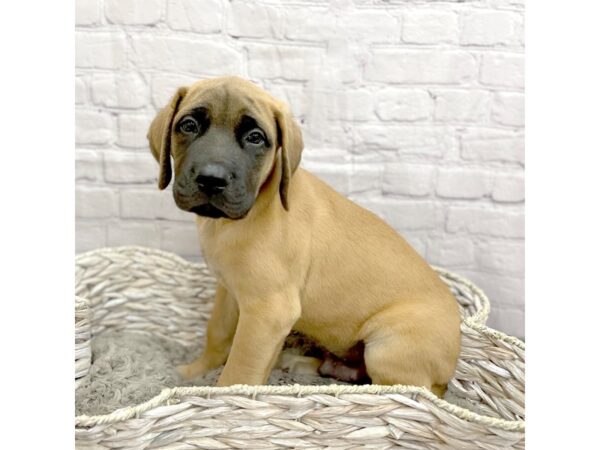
[83,351]
[154,291]
[482,302]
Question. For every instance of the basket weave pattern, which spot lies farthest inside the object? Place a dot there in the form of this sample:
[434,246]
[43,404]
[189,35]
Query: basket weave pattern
[152,291]
[83,351]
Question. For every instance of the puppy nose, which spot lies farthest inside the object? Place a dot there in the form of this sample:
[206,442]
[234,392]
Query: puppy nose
[212,179]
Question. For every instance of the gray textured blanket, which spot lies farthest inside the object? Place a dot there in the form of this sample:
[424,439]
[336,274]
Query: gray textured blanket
[129,368]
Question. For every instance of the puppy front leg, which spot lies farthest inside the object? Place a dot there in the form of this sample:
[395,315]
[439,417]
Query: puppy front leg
[262,328]
[219,334]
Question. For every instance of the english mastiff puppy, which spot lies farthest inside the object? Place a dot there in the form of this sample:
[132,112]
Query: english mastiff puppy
[289,252]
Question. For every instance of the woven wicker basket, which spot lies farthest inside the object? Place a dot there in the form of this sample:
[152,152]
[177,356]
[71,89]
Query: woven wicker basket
[153,291]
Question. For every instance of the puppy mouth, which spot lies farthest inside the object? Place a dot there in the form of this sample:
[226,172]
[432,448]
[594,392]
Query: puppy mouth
[208,210]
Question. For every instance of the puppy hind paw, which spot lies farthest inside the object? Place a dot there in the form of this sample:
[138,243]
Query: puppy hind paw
[336,368]
[298,364]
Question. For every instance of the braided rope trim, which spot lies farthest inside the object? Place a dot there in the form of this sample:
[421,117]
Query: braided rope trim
[482,315]
[83,331]
[295,390]
[491,332]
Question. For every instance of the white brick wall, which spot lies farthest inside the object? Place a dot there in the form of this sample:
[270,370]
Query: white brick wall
[413,109]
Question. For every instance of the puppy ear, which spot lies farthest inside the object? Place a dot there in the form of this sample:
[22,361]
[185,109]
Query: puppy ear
[290,140]
[159,137]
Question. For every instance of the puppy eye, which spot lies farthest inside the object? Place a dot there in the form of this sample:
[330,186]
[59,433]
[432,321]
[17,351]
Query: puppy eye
[188,126]
[255,137]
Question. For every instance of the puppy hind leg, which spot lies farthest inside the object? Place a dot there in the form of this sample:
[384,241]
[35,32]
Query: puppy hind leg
[407,345]
[395,361]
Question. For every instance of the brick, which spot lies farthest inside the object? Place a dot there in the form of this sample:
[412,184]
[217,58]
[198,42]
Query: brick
[463,183]
[504,290]
[369,27]
[519,38]
[509,188]
[366,178]
[430,27]
[164,87]
[493,146]
[192,15]
[133,129]
[405,216]
[417,242]
[306,24]
[331,142]
[507,4]
[376,206]
[317,25]
[88,165]
[290,63]
[461,105]
[80,91]
[100,50]
[96,202]
[503,70]
[414,180]
[451,251]
[151,204]
[252,19]
[264,61]
[133,12]
[402,139]
[408,105]
[509,109]
[354,105]
[490,222]
[316,136]
[93,127]
[488,28]
[123,233]
[332,175]
[89,236]
[121,90]
[343,61]
[181,239]
[295,96]
[413,215]
[326,154]
[421,66]
[185,54]
[126,167]
[87,12]
[501,257]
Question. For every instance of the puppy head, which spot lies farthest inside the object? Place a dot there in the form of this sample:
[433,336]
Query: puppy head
[224,136]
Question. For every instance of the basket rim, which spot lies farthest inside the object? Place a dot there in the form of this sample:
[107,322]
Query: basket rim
[474,322]
[162,399]
[481,316]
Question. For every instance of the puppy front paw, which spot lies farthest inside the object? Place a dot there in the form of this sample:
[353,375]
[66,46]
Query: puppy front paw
[189,371]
